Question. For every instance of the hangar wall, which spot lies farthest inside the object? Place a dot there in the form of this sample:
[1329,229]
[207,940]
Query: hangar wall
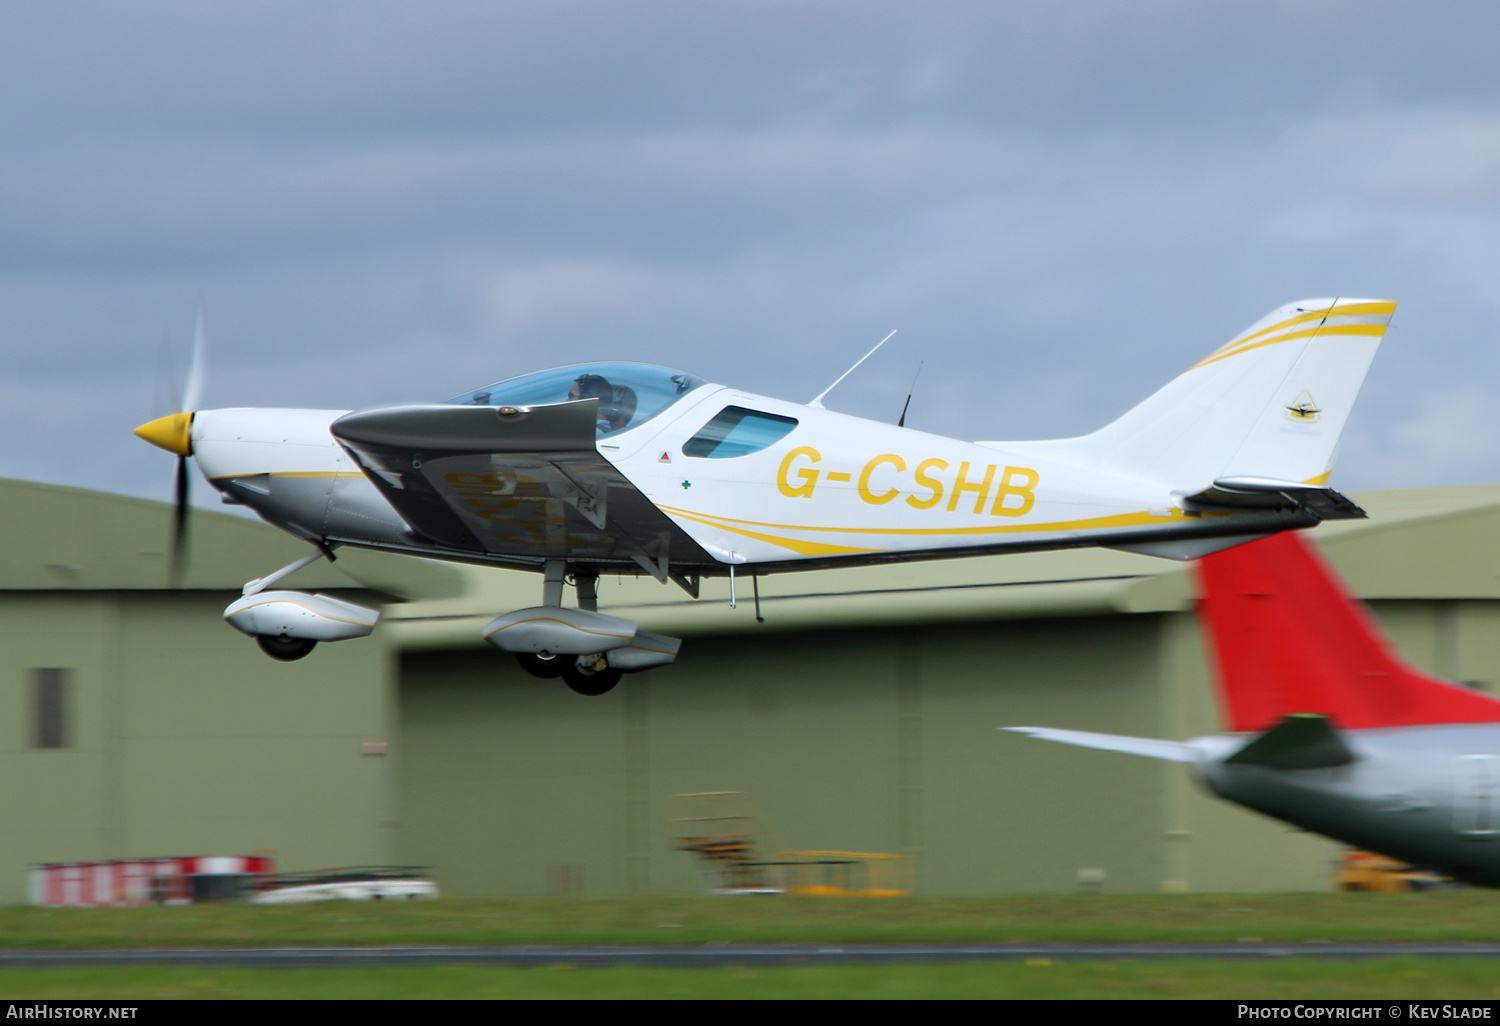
[180,736]
[855,740]
[860,716]
[882,737]
[181,742]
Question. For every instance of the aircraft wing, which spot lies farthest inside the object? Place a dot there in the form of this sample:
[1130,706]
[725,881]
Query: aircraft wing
[516,485]
[1174,751]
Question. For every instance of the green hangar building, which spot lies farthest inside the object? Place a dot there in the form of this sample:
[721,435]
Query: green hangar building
[860,715]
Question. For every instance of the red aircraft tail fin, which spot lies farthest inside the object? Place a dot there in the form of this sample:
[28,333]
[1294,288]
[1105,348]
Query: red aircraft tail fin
[1291,639]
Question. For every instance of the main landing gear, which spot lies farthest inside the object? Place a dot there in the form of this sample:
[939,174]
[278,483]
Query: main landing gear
[588,649]
[586,674]
[594,679]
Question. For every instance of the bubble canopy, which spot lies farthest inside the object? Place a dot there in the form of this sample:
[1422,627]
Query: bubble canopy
[629,394]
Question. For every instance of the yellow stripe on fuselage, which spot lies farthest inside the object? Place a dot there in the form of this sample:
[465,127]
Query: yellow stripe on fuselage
[292,473]
[1089,523]
[317,473]
[806,548]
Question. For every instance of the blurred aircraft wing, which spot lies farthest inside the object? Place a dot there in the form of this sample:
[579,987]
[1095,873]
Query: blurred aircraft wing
[1173,751]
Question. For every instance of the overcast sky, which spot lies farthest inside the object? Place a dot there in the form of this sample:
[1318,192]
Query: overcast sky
[1060,205]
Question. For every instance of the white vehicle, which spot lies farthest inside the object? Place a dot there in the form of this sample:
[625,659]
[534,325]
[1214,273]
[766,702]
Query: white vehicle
[626,468]
[346,885]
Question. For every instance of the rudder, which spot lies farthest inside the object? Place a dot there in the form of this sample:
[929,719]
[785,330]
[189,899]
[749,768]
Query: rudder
[1289,638]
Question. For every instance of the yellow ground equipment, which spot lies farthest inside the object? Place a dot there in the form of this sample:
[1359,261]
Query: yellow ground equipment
[871,874]
[1367,871]
[725,833]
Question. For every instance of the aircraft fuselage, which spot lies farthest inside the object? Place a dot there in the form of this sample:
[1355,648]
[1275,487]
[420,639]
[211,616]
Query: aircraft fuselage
[835,489]
[1427,795]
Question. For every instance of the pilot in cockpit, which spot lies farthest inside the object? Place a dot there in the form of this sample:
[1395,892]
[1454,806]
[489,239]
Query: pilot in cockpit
[616,402]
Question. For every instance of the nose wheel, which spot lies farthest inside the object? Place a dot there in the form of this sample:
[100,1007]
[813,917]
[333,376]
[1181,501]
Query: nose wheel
[279,646]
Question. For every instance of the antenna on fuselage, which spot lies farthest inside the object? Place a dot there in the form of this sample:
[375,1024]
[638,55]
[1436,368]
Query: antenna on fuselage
[818,402]
[909,392]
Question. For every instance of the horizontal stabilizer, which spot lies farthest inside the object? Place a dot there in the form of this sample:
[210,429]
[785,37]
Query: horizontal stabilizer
[1264,494]
[1172,751]
[1300,741]
[1289,638]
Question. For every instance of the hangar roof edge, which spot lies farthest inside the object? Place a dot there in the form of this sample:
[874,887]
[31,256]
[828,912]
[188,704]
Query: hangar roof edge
[62,538]
[1439,542]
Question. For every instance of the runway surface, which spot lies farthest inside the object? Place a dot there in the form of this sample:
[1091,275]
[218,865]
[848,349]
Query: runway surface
[711,954]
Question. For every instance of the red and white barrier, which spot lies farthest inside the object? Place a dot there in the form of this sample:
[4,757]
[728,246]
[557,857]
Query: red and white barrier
[135,881]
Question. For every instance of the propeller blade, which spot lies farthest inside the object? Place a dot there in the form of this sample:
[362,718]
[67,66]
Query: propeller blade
[180,520]
[192,392]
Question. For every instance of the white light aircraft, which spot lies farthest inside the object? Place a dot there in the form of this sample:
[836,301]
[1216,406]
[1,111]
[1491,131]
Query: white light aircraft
[624,468]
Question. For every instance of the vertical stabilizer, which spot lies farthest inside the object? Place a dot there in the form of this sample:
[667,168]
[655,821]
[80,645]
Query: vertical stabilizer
[1269,403]
[1289,639]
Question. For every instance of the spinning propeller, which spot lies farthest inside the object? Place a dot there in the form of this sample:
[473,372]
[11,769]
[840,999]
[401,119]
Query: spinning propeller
[174,434]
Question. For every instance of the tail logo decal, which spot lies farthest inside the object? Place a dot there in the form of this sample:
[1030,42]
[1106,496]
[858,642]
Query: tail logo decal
[1304,409]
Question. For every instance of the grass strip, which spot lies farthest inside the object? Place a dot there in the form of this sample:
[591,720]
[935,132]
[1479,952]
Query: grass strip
[1446,916]
[1287,979]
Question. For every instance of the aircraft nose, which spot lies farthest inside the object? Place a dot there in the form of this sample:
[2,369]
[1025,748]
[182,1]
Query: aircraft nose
[170,433]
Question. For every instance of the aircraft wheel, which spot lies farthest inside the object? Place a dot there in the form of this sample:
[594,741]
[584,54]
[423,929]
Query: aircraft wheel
[590,681]
[542,666]
[279,646]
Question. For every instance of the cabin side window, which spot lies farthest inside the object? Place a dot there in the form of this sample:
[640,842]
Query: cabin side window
[737,431]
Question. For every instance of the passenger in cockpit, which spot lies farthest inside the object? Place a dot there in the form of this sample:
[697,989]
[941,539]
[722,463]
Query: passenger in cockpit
[620,409]
[591,386]
[616,402]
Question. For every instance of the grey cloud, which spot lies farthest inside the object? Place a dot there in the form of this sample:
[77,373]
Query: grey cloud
[1059,205]
[279,70]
